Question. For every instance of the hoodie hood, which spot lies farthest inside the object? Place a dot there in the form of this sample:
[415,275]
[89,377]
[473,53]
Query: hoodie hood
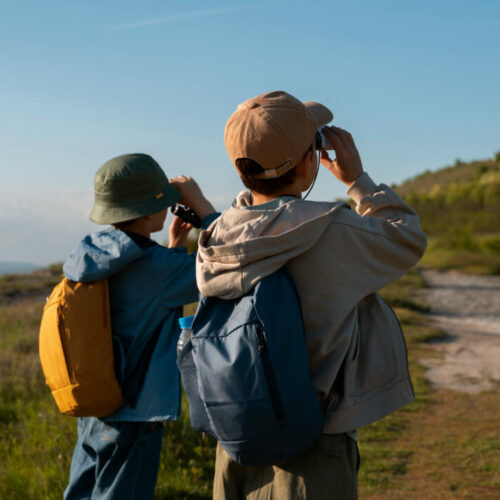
[244,245]
[101,255]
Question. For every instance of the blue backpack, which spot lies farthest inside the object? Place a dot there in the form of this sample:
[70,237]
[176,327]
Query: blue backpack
[246,376]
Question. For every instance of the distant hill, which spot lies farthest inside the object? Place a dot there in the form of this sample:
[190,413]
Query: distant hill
[459,173]
[479,171]
[463,198]
[32,283]
[16,267]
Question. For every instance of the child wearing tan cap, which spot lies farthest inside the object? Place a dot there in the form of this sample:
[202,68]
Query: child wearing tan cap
[338,259]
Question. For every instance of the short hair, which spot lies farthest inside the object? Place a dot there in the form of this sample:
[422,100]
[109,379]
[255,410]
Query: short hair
[248,168]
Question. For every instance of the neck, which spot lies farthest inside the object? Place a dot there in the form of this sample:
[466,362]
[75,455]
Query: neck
[147,234]
[134,228]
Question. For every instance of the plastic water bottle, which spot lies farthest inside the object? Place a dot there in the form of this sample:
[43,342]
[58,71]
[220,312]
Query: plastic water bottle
[185,336]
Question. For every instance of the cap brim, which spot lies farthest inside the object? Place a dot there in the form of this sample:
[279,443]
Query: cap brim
[321,114]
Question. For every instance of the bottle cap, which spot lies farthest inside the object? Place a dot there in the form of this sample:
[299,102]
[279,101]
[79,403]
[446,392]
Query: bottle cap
[186,321]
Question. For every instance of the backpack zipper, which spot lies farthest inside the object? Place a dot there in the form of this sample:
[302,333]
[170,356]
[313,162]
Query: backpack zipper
[263,351]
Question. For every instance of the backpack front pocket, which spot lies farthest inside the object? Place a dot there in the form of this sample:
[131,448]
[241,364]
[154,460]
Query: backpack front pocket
[239,395]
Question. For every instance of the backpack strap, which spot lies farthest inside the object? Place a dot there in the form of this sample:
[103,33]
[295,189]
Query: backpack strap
[332,395]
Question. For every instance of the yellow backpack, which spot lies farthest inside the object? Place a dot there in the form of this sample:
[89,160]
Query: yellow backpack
[76,349]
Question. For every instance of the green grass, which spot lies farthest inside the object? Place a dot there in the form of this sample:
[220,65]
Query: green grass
[482,256]
[401,293]
[34,438]
[36,441]
[444,442]
[381,460]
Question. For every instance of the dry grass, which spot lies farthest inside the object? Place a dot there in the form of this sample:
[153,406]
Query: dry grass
[444,445]
[453,448]
[484,263]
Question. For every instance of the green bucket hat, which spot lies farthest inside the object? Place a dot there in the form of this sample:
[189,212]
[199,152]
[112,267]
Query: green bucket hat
[128,187]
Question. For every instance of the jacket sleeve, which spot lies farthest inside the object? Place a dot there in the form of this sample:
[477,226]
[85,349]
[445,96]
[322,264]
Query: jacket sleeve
[175,273]
[175,270]
[382,241]
[208,219]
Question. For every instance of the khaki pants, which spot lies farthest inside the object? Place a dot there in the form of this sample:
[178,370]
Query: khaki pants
[328,471]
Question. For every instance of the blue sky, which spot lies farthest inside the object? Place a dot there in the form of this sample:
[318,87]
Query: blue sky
[416,83]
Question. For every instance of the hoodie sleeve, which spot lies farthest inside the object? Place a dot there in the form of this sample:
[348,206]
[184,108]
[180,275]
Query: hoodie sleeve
[178,277]
[383,240]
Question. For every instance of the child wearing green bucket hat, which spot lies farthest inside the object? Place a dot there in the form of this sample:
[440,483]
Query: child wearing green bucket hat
[118,456]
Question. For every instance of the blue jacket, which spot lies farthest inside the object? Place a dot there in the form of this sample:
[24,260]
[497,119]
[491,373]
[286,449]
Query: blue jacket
[148,285]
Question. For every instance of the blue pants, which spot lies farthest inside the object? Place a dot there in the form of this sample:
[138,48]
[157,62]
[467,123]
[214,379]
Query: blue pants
[115,460]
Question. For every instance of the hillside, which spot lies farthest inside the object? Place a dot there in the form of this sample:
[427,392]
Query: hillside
[459,208]
[14,287]
[460,173]
[463,197]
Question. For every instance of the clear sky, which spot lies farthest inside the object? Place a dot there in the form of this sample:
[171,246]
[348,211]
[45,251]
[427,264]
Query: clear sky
[416,83]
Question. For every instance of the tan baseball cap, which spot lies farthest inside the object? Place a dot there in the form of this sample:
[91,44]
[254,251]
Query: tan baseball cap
[275,130]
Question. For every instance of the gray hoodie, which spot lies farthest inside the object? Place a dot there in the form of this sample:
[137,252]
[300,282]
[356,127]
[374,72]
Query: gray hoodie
[338,259]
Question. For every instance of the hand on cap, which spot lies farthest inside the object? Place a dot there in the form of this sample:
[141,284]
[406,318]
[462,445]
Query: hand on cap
[192,196]
[347,166]
[178,233]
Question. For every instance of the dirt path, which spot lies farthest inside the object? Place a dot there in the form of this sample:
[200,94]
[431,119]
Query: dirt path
[467,308]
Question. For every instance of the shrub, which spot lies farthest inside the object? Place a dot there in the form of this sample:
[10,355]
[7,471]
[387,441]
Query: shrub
[460,238]
[491,244]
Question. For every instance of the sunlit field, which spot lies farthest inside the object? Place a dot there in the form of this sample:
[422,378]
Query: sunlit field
[444,441]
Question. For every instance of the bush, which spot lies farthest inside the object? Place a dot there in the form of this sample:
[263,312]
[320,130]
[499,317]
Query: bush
[460,238]
[491,244]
